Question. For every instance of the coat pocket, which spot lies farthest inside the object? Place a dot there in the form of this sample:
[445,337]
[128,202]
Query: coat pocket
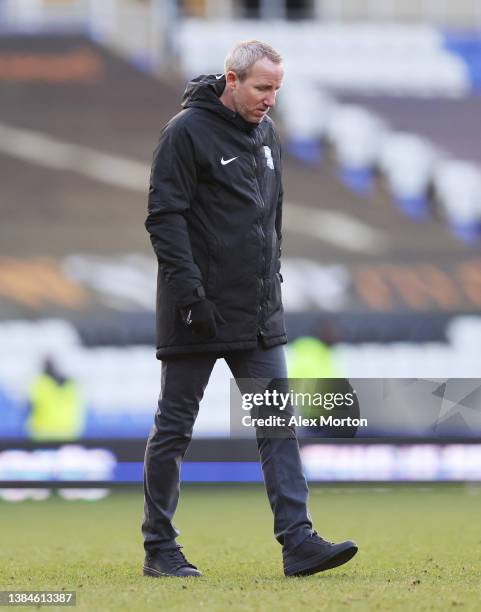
[275,301]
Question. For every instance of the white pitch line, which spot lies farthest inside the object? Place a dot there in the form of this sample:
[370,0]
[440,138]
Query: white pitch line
[332,227]
[44,150]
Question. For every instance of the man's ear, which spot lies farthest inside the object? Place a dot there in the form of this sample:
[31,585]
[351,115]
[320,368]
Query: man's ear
[231,80]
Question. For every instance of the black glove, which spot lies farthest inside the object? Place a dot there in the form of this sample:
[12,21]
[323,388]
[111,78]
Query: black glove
[203,317]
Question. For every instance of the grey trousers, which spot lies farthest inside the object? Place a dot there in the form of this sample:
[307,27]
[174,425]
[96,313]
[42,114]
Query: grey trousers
[183,381]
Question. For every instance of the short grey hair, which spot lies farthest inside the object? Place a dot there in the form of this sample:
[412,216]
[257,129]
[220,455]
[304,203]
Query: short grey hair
[245,54]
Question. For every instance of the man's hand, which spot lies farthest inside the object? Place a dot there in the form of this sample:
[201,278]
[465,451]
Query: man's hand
[203,317]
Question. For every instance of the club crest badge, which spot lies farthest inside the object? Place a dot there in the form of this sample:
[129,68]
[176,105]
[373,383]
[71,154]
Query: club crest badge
[269,160]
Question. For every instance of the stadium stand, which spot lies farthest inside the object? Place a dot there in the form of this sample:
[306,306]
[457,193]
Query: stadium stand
[79,125]
[120,406]
[419,65]
[385,57]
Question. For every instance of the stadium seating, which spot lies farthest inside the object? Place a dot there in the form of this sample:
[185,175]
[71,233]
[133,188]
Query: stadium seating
[408,161]
[458,187]
[389,57]
[119,385]
[356,135]
[307,126]
[377,58]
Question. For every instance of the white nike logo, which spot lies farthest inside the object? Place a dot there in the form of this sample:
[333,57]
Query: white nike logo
[219,76]
[224,162]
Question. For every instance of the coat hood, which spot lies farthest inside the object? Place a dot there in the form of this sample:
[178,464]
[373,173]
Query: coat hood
[204,92]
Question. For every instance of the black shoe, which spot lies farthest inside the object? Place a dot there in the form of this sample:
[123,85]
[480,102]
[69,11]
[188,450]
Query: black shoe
[316,555]
[169,562]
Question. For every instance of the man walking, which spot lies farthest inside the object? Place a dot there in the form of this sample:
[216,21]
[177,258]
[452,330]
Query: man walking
[215,207]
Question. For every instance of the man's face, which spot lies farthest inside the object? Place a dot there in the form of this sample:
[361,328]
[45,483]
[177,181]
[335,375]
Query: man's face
[256,94]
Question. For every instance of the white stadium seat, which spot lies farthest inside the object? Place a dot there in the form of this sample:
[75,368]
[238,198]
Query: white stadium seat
[458,187]
[356,134]
[407,161]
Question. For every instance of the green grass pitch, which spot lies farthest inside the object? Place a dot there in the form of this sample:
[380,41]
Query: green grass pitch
[420,549]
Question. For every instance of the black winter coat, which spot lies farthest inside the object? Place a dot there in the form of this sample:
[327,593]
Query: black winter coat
[215,203]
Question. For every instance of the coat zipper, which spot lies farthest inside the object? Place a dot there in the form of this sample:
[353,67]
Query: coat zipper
[262,301]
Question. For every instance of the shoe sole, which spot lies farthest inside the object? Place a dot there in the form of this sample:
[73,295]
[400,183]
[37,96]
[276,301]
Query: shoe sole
[150,571]
[320,563]
[153,573]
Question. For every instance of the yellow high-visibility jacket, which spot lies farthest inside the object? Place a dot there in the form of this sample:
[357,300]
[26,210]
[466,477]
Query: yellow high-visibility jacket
[57,410]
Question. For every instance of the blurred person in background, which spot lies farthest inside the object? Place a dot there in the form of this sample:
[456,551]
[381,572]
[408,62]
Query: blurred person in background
[315,370]
[313,357]
[215,208]
[56,407]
